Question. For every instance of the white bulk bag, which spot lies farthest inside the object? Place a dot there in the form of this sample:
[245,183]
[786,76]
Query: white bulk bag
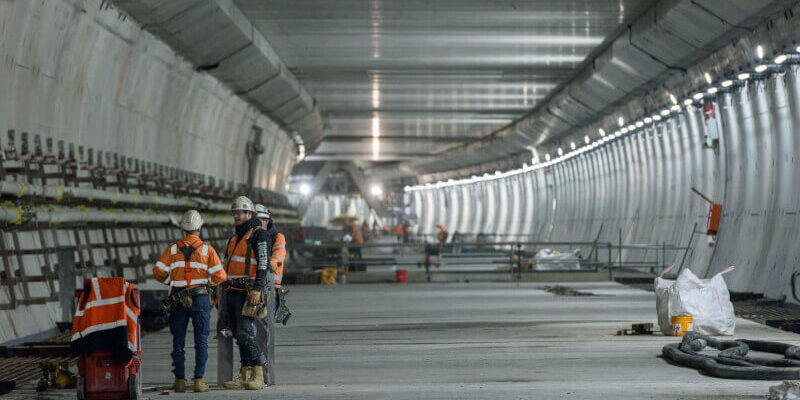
[706,300]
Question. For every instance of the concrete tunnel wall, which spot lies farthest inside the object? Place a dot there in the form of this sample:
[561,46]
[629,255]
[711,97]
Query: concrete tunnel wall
[641,185]
[79,71]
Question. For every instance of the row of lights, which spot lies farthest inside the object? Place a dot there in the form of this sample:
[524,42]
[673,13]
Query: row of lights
[623,130]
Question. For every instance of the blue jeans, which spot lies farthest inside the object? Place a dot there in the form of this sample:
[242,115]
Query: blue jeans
[199,313]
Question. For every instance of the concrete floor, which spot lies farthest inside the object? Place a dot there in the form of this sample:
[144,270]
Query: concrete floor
[470,341]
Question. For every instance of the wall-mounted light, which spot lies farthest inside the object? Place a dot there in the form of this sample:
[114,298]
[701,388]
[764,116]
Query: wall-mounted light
[620,121]
[601,132]
[760,52]
[708,77]
[586,139]
[560,152]
[572,145]
[547,157]
[673,99]
[305,189]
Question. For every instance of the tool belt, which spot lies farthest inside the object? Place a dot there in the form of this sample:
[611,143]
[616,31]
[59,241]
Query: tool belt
[183,297]
[239,284]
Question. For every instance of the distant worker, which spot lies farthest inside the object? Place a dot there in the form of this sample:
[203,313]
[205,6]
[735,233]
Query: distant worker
[406,231]
[365,231]
[442,236]
[249,276]
[398,231]
[358,240]
[189,267]
[276,261]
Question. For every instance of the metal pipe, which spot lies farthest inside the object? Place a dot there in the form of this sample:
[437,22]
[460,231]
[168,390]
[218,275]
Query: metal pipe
[58,215]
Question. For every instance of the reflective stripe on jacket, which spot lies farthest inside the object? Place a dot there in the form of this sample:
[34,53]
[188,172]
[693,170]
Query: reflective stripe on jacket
[107,318]
[237,256]
[203,264]
[278,258]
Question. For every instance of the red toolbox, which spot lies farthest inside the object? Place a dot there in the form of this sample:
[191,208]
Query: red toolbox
[102,377]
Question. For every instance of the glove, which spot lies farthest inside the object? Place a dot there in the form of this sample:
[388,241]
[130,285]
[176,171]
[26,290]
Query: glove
[254,297]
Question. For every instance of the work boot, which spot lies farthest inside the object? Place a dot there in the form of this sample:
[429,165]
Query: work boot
[179,386]
[238,383]
[200,385]
[256,381]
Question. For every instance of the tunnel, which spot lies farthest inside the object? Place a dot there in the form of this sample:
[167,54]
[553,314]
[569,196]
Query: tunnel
[426,199]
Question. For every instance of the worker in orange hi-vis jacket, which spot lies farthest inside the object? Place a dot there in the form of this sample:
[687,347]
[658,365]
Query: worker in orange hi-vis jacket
[277,261]
[189,267]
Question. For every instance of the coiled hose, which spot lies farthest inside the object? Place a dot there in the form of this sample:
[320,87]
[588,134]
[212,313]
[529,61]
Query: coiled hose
[732,362]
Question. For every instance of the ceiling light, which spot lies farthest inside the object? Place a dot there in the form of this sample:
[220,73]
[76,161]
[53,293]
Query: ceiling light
[631,127]
[586,139]
[560,152]
[572,145]
[601,131]
[547,157]
[647,120]
[708,77]
[624,130]
[760,52]
[656,118]
[305,189]
[761,68]
[727,83]
[664,112]
[688,102]
[675,108]
[780,59]
[712,90]
[673,99]
[639,124]
[743,76]
[697,96]
[621,121]
[376,190]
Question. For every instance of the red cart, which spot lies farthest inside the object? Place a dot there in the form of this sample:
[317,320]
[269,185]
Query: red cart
[103,377]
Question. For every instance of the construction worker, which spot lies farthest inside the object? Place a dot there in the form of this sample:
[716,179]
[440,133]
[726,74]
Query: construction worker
[278,257]
[189,267]
[249,276]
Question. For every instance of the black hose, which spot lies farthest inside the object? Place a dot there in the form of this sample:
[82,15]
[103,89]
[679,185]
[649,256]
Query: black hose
[732,361]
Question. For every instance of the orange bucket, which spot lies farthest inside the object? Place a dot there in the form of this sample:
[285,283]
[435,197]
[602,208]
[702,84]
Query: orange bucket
[681,324]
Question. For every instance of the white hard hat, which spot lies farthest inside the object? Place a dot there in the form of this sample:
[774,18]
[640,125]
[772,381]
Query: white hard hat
[243,203]
[191,221]
[262,212]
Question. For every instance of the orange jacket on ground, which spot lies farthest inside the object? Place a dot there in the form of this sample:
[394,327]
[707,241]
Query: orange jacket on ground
[107,318]
[241,263]
[278,258]
[202,268]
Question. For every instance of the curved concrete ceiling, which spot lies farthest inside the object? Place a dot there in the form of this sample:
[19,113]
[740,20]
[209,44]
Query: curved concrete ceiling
[428,76]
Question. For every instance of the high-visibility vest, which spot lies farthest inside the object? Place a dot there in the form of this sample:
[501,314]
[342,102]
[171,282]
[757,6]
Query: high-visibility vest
[107,318]
[278,258]
[240,258]
[201,267]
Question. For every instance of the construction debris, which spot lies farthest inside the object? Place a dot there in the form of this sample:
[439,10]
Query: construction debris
[559,290]
[637,329]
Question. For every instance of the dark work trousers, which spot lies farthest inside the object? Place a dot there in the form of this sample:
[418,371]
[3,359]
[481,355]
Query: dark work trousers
[244,329]
[178,322]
